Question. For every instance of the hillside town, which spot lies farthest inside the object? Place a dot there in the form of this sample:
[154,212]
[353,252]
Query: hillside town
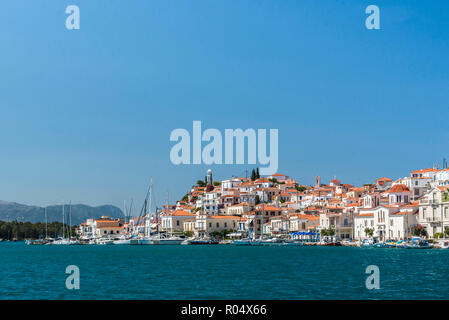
[279,206]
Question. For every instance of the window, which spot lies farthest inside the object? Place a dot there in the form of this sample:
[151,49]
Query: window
[218,224]
[210,224]
[225,224]
[177,222]
[446,212]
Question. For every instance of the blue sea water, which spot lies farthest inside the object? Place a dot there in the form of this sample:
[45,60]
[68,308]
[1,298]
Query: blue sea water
[220,272]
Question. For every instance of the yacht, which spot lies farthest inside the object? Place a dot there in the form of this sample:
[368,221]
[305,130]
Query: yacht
[125,240]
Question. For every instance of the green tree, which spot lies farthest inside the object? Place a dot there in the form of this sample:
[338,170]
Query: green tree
[188,233]
[253,175]
[446,232]
[419,231]
[369,231]
[438,235]
[200,183]
[257,174]
[301,188]
[328,232]
[217,183]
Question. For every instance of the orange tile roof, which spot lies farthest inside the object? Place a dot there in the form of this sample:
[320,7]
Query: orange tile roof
[178,213]
[398,188]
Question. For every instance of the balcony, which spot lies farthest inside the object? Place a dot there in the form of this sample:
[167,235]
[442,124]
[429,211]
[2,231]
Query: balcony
[433,219]
[430,201]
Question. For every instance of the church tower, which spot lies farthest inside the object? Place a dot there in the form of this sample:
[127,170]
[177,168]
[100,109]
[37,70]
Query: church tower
[209,177]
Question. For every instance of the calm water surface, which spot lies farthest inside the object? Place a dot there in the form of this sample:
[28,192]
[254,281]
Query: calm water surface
[221,272]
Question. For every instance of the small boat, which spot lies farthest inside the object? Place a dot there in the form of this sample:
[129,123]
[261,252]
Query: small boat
[202,242]
[272,242]
[61,242]
[105,241]
[380,245]
[400,244]
[367,243]
[418,243]
[293,243]
[168,241]
[35,242]
[247,242]
[442,245]
[126,240]
[226,242]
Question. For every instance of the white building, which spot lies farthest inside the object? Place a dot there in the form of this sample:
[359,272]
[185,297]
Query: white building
[434,210]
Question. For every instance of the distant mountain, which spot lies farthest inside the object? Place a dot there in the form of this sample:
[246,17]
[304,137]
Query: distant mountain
[10,211]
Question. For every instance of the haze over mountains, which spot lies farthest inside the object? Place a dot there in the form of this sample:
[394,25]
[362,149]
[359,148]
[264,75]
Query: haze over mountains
[10,211]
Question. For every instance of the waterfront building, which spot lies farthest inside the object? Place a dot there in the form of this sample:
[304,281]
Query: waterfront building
[205,224]
[107,228]
[434,210]
[339,220]
[173,222]
[104,226]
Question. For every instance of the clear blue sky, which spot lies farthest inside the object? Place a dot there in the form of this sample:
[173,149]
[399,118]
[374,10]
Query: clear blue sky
[86,114]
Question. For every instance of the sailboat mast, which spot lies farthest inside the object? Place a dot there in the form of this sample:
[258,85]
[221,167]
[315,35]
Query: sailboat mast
[151,203]
[70,220]
[124,209]
[46,224]
[63,231]
[263,212]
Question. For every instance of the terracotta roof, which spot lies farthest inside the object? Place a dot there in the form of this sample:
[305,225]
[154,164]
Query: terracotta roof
[178,213]
[384,179]
[398,188]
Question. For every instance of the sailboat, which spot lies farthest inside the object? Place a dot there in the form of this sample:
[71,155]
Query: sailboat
[40,241]
[126,239]
[63,240]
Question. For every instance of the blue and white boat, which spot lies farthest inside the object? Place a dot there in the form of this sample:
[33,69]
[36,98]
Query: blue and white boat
[418,243]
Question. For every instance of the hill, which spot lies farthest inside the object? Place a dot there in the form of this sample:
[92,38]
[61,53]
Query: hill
[80,212]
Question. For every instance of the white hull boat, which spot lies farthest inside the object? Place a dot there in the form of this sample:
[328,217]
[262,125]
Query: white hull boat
[126,241]
[169,241]
[247,242]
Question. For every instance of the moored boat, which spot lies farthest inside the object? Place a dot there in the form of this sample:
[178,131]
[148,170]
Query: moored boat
[202,242]
[418,243]
[247,242]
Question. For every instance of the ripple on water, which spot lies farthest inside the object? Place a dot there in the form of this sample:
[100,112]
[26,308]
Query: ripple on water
[220,272]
